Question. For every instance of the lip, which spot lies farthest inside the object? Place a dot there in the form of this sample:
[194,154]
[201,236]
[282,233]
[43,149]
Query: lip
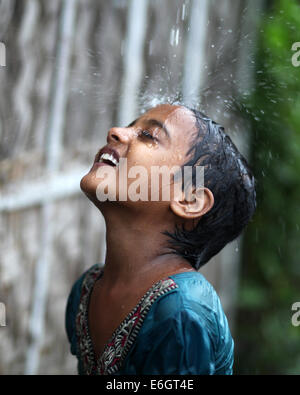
[107,150]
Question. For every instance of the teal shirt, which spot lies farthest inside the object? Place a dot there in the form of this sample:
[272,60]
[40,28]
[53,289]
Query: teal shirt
[185,331]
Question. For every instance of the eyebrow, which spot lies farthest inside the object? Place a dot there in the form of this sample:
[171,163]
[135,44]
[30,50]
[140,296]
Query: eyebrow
[153,122]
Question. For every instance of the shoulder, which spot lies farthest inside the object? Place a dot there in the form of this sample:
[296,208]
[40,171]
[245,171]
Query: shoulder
[191,320]
[198,295]
[194,296]
[193,303]
[173,340]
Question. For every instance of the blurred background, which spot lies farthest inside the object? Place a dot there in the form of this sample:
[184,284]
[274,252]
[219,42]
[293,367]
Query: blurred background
[70,70]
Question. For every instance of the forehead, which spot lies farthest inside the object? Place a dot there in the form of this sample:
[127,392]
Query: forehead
[179,120]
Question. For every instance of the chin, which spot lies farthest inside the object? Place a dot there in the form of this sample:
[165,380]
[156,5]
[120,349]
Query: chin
[88,187]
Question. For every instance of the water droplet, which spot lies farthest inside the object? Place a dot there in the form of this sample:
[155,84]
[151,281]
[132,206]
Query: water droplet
[150,47]
[172,36]
[183,12]
[177,37]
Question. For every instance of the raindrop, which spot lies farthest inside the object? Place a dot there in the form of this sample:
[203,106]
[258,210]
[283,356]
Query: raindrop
[122,47]
[172,36]
[279,251]
[178,16]
[183,12]
[177,37]
[150,47]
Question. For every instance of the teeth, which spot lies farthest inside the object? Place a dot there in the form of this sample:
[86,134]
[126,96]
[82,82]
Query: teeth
[108,157]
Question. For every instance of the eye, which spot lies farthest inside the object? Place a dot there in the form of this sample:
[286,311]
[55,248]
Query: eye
[147,134]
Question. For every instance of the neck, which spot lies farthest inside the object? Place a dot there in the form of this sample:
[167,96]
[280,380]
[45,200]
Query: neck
[136,251]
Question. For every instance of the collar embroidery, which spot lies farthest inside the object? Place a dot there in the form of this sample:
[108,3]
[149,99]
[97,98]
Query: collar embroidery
[123,337]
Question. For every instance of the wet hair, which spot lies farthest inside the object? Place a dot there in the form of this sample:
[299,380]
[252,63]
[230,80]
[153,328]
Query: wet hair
[228,176]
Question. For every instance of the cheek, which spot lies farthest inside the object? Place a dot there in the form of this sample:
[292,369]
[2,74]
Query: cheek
[176,156]
[148,157]
[152,161]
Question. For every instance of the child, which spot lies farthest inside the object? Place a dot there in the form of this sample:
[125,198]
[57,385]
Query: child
[148,310]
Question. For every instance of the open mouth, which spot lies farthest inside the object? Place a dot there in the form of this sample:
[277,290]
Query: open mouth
[107,156]
[108,159]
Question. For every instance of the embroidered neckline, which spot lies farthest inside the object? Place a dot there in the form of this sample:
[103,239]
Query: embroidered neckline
[118,346]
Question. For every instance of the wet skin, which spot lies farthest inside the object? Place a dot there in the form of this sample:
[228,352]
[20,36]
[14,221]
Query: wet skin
[145,143]
[136,250]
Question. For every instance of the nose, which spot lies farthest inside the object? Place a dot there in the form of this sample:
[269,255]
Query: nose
[121,135]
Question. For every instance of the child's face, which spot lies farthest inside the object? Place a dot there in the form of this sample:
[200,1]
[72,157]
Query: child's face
[160,137]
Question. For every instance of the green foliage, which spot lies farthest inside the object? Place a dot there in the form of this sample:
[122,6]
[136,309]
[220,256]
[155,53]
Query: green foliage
[266,340]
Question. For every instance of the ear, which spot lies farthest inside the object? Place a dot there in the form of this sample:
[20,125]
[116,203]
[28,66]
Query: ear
[203,201]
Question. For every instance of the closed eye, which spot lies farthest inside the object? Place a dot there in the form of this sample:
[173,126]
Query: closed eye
[147,134]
